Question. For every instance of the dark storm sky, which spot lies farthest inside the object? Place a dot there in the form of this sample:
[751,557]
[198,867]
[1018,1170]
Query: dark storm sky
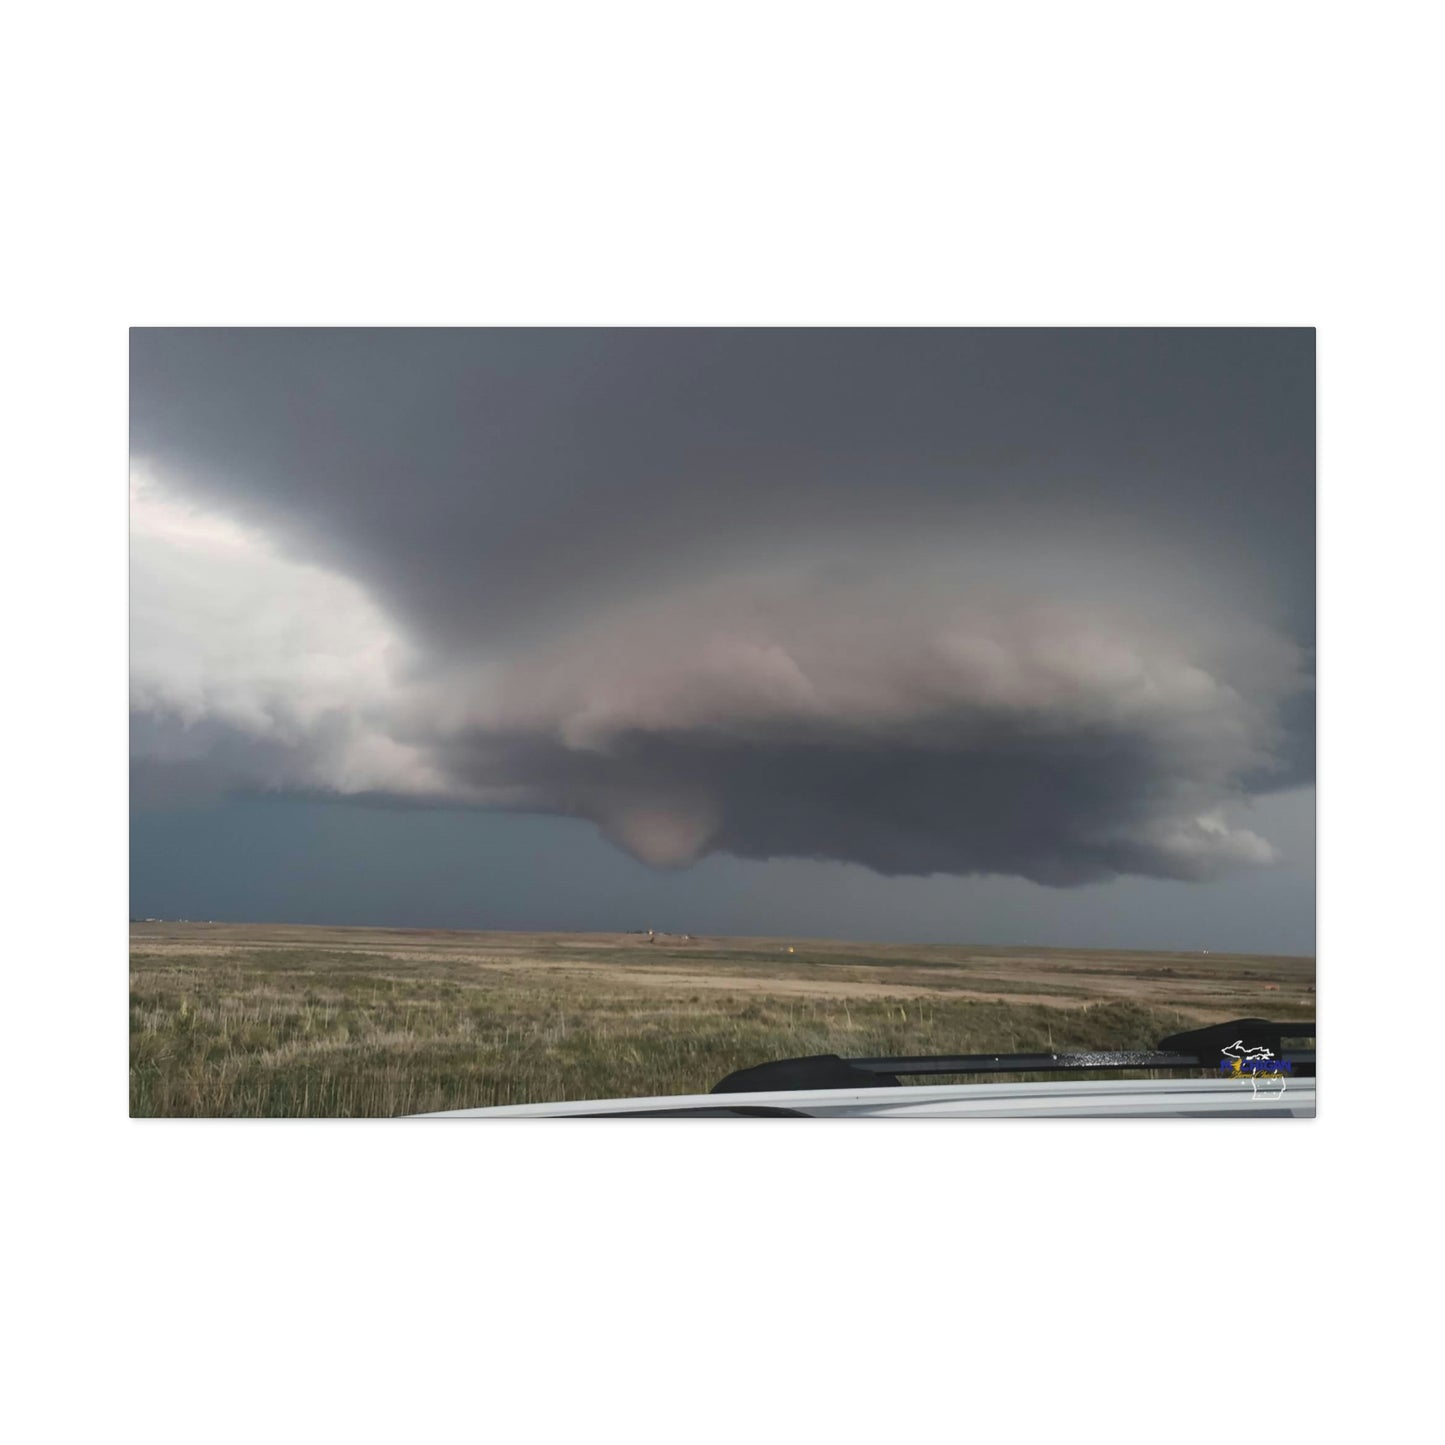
[1006,631]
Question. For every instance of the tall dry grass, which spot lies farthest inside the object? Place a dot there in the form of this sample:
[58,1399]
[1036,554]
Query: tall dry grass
[289,1032]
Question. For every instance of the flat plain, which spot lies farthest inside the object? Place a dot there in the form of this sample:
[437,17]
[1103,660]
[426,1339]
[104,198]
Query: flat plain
[266,1020]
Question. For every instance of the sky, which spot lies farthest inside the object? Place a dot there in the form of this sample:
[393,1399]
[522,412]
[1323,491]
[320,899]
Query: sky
[946,635]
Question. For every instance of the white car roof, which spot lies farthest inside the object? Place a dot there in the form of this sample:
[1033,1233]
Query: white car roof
[1062,1099]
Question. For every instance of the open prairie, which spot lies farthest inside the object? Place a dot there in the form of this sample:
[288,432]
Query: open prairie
[274,1020]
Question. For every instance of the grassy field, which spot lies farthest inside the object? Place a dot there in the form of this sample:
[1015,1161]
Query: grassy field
[247,1020]
[256,1021]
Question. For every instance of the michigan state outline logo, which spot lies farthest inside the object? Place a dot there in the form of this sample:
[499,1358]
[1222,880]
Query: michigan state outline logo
[1257,1067]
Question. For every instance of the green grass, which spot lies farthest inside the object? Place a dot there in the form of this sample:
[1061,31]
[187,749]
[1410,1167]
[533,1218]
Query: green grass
[339,1031]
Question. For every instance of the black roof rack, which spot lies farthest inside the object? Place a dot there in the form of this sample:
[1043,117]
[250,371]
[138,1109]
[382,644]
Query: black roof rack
[1195,1049]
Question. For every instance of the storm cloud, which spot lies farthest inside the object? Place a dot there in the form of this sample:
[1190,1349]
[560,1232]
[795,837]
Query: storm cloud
[1029,603]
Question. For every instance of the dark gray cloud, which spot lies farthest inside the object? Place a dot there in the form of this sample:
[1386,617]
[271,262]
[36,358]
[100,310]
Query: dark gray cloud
[1035,603]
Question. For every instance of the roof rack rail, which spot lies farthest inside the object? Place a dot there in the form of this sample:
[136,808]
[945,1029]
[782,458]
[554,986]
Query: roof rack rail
[1195,1049]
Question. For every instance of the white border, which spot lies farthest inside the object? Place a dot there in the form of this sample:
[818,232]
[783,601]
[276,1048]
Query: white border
[781,164]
